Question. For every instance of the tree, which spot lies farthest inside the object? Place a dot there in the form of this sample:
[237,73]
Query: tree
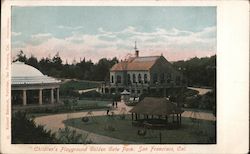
[67,136]
[101,69]
[25,131]
[57,61]
[198,71]
[33,62]
[21,57]
[84,70]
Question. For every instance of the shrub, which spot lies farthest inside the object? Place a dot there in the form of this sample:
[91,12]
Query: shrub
[25,131]
[67,136]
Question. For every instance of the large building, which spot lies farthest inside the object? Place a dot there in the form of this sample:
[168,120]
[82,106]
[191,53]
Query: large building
[143,74]
[30,86]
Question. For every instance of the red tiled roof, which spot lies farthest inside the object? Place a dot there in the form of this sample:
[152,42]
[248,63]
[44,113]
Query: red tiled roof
[120,66]
[140,63]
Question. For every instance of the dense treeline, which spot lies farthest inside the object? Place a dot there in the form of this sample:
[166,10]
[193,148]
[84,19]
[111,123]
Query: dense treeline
[83,70]
[198,71]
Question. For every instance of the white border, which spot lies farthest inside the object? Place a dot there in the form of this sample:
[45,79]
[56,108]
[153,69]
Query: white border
[232,75]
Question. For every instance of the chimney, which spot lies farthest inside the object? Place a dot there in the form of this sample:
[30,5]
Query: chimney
[136,51]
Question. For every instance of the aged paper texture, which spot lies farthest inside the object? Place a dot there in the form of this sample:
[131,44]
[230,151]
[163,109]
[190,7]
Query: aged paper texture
[124,76]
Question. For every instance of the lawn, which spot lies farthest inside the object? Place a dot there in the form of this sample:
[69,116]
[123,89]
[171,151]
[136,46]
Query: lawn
[92,103]
[79,85]
[82,105]
[202,133]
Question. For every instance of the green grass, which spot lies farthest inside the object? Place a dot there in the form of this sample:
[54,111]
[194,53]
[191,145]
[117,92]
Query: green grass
[84,103]
[188,133]
[79,85]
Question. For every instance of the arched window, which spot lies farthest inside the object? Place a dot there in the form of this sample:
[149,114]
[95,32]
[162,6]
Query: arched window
[162,78]
[134,78]
[145,78]
[169,78]
[129,79]
[112,79]
[139,78]
[118,79]
[155,78]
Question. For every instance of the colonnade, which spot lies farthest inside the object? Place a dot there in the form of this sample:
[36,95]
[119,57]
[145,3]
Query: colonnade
[40,95]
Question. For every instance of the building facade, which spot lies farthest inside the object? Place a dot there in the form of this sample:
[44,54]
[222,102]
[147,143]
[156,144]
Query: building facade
[143,74]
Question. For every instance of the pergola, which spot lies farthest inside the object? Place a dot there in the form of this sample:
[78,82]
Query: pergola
[25,78]
[156,113]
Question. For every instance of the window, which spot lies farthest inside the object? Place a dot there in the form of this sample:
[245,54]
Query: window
[118,79]
[178,80]
[129,80]
[145,78]
[112,79]
[134,78]
[162,78]
[155,78]
[169,78]
[139,78]
[138,91]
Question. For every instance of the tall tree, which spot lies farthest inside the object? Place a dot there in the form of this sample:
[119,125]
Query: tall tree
[33,61]
[21,57]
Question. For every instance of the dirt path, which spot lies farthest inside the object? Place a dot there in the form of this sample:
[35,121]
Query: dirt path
[201,91]
[54,122]
[87,90]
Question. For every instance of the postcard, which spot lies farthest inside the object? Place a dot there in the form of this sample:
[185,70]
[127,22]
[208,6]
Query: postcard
[125,77]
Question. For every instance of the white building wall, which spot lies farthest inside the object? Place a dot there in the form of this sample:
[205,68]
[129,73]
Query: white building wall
[136,76]
[115,74]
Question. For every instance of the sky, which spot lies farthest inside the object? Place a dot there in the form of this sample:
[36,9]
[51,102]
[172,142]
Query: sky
[95,32]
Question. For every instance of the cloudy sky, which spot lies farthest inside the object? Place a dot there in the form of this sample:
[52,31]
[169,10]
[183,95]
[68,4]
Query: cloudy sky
[178,33]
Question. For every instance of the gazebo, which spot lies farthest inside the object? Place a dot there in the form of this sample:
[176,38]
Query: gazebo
[156,113]
[125,95]
[30,86]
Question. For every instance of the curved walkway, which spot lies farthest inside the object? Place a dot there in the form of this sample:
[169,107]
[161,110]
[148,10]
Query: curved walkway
[201,91]
[87,90]
[54,122]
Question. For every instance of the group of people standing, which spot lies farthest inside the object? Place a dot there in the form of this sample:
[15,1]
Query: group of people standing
[114,105]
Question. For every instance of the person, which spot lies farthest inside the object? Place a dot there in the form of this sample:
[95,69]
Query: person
[116,104]
[107,111]
[113,104]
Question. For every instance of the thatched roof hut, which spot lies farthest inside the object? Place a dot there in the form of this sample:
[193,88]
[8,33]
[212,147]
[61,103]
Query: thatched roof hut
[155,112]
[156,106]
